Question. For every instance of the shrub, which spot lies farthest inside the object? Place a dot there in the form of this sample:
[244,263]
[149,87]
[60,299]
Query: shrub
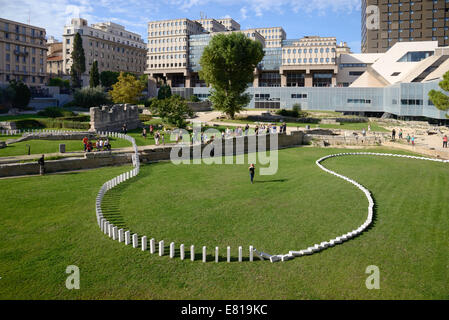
[90,97]
[145,117]
[194,98]
[164,92]
[148,102]
[28,124]
[22,94]
[58,82]
[63,124]
[55,112]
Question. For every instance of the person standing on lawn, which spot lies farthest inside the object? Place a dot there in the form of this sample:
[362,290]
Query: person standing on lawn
[85,142]
[252,171]
[41,163]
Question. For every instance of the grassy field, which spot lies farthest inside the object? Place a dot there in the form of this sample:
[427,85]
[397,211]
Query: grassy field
[49,223]
[52,146]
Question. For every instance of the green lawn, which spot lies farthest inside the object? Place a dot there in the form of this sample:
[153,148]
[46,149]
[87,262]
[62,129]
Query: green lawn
[52,146]
[49,223]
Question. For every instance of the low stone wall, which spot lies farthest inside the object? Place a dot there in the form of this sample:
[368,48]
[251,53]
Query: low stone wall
[325,140]
[200,106]
[8,125]
[88,162]
[296,138]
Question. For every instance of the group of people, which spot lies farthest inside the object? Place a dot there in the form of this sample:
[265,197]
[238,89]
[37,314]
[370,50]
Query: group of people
[410,139]
[157,135]
[101,144]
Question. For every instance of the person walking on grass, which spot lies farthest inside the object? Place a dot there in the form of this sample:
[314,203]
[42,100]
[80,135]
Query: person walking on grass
[400,134]
[85,142]
[41,163]
[144,133]
[393,135]
[445,141]
[252,171]
[413,140]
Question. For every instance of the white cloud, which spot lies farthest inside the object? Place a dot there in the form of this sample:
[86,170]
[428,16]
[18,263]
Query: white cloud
[243,13]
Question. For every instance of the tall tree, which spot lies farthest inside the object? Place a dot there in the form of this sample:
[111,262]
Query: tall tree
[438,98]
[164,92]
[228,65]
[78,62]
[22,94]
[108,78]
[94,80]
[128,89]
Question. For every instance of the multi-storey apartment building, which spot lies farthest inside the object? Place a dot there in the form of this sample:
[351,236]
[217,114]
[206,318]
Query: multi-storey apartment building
[385,22]
[168,43]
[273,36]
[54,58]
[230,24]
[175,48]
[113,47]
[23,53]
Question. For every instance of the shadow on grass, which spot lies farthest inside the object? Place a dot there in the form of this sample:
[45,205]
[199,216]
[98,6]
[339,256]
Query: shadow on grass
[270,181]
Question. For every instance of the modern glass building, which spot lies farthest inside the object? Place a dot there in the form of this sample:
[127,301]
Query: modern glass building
[404,99]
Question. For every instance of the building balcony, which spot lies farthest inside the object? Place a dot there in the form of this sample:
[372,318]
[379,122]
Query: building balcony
[21,53]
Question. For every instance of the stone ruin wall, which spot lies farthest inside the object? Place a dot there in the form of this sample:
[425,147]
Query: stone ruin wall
[112,118]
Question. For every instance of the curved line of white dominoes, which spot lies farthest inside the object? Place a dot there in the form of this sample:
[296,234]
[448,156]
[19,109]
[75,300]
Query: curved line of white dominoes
[338,240]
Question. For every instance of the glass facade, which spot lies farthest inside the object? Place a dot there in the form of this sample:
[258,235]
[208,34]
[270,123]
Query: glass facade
[272,59]
[405,99]
[196,48]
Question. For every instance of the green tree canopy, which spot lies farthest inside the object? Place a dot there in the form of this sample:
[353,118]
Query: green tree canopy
[58,82]
[108,78]
[22,94]
[438,98]
[78,62]
[128,89]
[94,80]
[174,110]
[164,92]
[228,65]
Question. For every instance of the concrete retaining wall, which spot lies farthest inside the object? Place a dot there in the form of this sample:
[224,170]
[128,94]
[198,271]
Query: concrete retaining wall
[20,169]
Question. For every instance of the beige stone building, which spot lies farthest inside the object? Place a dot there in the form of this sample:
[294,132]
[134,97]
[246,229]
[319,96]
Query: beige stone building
[54,58]
[175,48]
[310,61]
[110,44]
[23,53]
[273,36]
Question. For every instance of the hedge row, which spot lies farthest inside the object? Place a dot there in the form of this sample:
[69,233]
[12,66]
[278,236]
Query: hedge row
[51,123]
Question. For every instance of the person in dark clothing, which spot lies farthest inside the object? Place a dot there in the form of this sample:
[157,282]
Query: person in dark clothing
[252,170]
[393,134]
[125,129]
[41,163]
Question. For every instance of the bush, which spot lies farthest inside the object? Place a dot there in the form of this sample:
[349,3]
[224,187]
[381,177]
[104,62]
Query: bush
[145,117]
[55,112]
[91,97]
[28,124]
[164,92]
[194,98]
[58,82]
[63,124]
[287,113]
[22,94]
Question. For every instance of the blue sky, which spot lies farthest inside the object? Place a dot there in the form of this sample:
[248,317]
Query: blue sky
[339,18]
